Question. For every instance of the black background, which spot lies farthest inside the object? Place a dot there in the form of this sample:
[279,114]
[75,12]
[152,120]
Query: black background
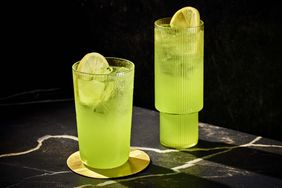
[40,41]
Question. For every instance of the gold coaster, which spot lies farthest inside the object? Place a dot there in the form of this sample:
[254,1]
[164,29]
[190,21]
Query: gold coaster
[138,161]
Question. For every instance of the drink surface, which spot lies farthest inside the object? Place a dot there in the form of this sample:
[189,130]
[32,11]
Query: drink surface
[103,112]
[178,69]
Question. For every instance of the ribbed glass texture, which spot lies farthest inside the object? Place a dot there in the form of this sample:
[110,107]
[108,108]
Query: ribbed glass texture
[178,68]
[178,82]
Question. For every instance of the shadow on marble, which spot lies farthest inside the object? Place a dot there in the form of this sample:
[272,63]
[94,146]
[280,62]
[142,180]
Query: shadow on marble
[153,176]
[40,134]
[245,159]
[252,160]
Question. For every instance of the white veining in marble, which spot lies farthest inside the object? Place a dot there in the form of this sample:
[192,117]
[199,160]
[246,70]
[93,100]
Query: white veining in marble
[109,182]
[46,137]
[180,167]
[40,141]
[155,149]
[26,167]
[39,175]
[193,162]
[85,185]
[134,178]
[222,170]
[175,170]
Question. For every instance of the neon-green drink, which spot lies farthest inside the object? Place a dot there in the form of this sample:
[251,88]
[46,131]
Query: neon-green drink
[178,82]
[103,112]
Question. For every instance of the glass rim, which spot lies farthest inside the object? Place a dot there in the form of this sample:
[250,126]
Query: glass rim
[130,69]
[157,24]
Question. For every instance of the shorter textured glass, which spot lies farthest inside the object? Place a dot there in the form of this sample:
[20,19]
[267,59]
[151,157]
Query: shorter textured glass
[178,82]
[103,105]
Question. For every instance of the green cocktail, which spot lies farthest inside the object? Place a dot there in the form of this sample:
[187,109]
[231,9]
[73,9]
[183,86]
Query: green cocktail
[103,104]
[178,82]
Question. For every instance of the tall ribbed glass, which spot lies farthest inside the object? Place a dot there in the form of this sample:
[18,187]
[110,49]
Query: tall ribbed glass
[178,82]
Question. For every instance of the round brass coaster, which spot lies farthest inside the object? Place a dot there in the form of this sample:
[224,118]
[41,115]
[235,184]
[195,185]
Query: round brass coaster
[138,161]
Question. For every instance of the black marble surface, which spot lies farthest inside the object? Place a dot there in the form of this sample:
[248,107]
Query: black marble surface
[36,140]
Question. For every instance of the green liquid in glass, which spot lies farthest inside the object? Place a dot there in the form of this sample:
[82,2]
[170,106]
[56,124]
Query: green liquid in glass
[103,114]
[178,83]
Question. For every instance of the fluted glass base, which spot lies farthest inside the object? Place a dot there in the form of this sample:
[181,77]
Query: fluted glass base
[179,130]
